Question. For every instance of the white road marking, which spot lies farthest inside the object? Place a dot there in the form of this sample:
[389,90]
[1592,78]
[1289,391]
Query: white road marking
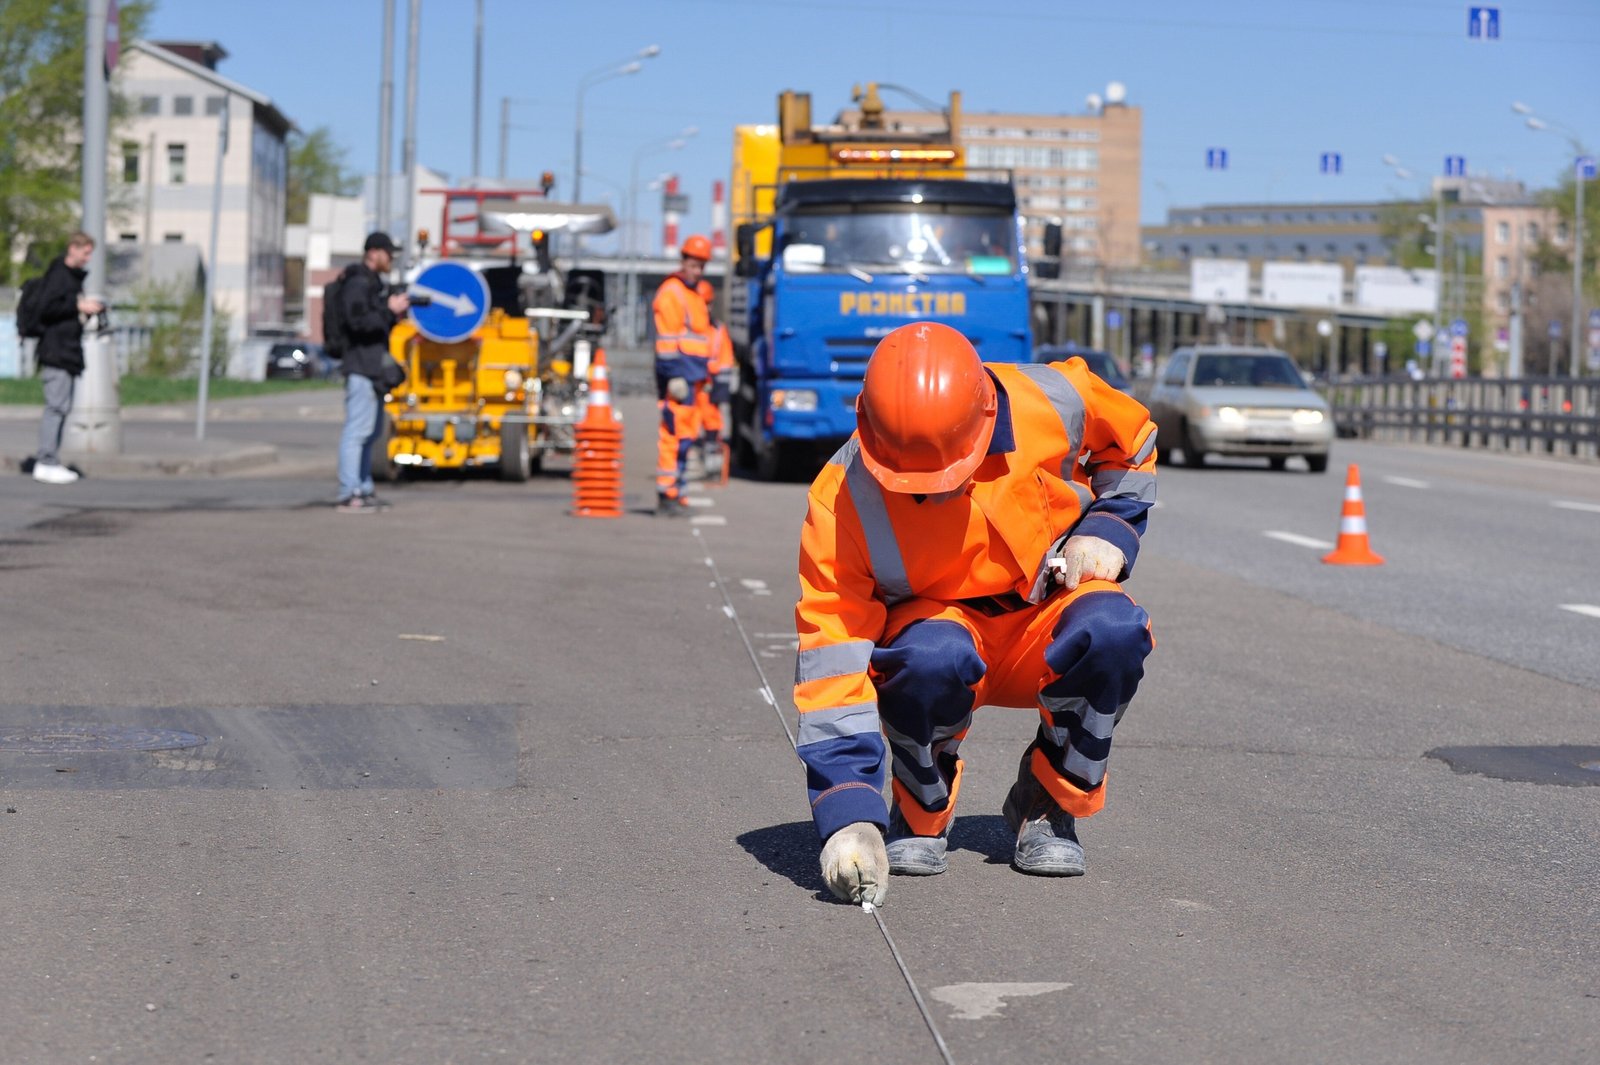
[1588,610]
[1406,482]
[1567,504]
[1298,540]
[752,584]
[974,1002]
[423,636]
[699,501]
[708,519]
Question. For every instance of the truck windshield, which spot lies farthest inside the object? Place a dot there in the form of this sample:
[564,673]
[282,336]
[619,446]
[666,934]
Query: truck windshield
[922,238]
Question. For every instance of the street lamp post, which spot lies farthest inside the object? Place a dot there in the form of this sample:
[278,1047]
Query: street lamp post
[594,77]
[1438,258]
[631,234]
[1545,125]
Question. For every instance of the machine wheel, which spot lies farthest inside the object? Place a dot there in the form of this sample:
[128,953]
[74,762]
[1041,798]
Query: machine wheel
[1277,462]
[384,468]
[1318,463]
[516,456]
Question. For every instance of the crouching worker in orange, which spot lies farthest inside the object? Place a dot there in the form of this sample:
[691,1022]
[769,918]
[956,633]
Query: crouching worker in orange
[683,340]
[717,390]
[964,548]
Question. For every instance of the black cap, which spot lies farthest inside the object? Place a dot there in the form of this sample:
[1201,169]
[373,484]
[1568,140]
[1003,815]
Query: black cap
[381,241]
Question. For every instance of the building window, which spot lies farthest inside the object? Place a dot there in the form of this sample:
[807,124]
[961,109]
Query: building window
[149,105]
[1561,232]
[183,105]
[128,238]
[1533,232]
[214,105]
[1502,231]
[1503,300]
[130,163]
[176,158]
[172,238]
[1502,267]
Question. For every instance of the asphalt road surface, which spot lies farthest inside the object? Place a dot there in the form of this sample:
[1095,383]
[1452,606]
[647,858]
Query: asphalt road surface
[475,780]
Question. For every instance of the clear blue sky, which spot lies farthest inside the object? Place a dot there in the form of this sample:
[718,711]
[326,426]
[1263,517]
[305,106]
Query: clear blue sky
[1275,82]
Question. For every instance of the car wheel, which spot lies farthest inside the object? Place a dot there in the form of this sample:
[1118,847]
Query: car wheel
[1317,463]
[1278,462]
[1192,456]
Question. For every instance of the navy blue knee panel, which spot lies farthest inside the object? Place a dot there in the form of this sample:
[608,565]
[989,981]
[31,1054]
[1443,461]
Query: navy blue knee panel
[925,677]
[1098,650]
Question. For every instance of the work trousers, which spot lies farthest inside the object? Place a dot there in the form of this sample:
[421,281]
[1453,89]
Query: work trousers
[1078,658]
[59,386]
[679,431]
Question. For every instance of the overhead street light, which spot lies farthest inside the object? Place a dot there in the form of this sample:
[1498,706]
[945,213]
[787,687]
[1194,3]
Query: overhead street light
[1437,225]
[595,77]
[635,244]
[1579,180]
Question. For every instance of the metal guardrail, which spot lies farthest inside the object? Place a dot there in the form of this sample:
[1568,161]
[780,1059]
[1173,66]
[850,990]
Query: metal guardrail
[1527,415]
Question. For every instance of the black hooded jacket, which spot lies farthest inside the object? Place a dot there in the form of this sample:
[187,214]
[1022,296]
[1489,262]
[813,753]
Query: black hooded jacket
[61,345]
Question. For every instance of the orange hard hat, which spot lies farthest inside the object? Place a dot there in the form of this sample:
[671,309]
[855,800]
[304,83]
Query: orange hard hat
[926,411]
[697,247]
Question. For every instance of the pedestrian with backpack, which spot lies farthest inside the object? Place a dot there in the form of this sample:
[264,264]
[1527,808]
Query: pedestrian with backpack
[359,313]
[52,309]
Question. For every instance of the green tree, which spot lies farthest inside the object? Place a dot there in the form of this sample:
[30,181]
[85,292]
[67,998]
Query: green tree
[41,114]
[1557,258]
[316,164]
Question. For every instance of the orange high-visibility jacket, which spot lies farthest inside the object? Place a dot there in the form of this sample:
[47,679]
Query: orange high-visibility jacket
[683,331]
[1070,455]
[720,350]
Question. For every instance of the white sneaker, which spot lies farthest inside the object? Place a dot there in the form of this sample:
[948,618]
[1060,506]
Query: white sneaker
[53,473]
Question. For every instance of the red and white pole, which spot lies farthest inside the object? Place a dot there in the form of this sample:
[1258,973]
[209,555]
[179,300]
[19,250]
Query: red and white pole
[719,218]
[669,221]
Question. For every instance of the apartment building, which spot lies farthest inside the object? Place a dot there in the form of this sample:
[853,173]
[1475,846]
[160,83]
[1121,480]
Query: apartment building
[164,173]
[1080,170]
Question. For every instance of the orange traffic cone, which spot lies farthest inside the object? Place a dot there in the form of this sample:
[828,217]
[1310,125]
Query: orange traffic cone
[597,470]
[1353,549]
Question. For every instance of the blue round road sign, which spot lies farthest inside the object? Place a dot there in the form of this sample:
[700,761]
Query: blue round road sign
[459,302]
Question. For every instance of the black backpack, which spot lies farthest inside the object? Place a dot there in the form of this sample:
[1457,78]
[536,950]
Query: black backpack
[335,331]
[28,323]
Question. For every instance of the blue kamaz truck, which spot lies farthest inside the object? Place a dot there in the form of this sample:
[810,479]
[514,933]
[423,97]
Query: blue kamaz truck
[843,233]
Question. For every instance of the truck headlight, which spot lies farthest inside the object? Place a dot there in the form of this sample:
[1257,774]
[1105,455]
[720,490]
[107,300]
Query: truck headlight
[801,400]
[1306,416]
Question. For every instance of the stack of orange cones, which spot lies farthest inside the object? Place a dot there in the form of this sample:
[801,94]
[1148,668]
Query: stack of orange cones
[597,469]
[1353,549]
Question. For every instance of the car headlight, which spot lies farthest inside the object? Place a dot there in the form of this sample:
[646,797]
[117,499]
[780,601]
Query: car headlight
[1306,416]
[513,380]
[794,399]
[1230,416]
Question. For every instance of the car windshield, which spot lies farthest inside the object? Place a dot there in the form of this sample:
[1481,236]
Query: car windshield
[1104,368]
[913,238]
[1247,371]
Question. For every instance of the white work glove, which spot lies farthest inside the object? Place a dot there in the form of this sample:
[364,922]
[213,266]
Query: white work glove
[678,390]
[855,864]
[1084,558]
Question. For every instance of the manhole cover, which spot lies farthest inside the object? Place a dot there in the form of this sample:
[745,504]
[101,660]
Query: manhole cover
[1566,764]
[57,739]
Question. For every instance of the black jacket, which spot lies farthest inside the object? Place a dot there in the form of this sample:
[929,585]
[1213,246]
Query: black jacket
[61,345]
[367,320]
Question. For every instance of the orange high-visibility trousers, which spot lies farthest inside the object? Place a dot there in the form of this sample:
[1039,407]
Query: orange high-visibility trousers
[678,432]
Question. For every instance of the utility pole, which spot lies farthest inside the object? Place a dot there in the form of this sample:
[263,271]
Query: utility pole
[385,209]
[1576,339]
[408,151]
[477,90]
[211,268]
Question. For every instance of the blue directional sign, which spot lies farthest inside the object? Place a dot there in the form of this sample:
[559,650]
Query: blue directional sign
[1216,158]
[1483,23]
[1458,328]
[1332,162]
[1113,319]
[1583,166]
[1455,166]
[459,302]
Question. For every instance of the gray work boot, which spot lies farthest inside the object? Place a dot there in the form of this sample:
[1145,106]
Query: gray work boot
[1047,844]
[912,855]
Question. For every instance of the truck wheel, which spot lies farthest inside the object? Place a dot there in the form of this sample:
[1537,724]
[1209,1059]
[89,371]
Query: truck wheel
[781,461]
[741,417]
[384,468]
[516,459]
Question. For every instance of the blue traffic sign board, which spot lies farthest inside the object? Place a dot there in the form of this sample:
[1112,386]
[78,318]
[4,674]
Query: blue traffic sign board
[1455,166]
[1458,328]
[1113,319]
[1331,162]
[1216,158]
[1483,23]
[1584,167]
[458,302]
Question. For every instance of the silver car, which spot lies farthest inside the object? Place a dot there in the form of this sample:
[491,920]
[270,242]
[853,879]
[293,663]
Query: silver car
[1240,401]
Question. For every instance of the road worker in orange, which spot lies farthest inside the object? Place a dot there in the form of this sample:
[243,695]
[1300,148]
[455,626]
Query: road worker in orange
[683,349]
[718,388]
[965,547]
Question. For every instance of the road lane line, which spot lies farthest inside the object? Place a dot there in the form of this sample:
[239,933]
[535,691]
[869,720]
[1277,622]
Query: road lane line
[1588,610]
[1405,482]
[708,519]
[1567,504]
[1298,540]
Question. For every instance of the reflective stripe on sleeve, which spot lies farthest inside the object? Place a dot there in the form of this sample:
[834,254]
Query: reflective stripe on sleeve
[888,567]
[833,660]
[1129,484]
[1068,406]
[837,722]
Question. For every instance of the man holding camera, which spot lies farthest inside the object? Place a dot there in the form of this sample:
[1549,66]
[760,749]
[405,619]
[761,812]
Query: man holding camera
[369,313]
[61,307]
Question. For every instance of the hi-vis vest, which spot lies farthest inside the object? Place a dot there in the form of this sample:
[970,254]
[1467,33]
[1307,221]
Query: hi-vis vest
[1070,455]
[683,331]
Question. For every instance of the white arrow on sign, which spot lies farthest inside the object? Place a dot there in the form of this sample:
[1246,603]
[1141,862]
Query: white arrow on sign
[459,305]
